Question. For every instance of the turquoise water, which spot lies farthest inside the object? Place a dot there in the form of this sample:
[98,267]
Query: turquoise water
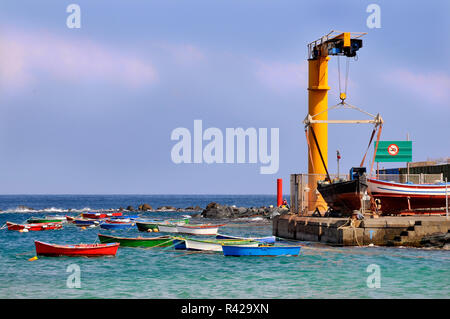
[319,272]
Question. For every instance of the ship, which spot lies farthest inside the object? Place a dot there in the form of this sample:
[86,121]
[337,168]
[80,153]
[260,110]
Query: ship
[345,196]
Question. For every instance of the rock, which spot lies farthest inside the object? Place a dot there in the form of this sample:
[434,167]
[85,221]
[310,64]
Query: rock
[436,240]
[211,205]
[217,211]
[192,209]
[130,208]
[214,210]
[145,207]
[166,208]
[23,207]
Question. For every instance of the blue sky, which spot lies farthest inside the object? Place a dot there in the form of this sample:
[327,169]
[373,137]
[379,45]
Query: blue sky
[91,110]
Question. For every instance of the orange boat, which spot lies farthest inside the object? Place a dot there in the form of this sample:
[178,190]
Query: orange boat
[88,250]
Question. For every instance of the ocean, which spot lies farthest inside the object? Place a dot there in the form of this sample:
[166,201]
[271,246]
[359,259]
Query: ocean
[320,271]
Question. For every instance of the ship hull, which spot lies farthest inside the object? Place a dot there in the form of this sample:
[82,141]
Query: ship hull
[344,197]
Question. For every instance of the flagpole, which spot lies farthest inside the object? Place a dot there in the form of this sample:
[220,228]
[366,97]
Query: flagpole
[338,158]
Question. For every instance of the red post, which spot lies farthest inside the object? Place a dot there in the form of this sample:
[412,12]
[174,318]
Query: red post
[279,192]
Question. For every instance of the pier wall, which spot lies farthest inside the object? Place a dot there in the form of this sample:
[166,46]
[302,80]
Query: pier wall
[414,231]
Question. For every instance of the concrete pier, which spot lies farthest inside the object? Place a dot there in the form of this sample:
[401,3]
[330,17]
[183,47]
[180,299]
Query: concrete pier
[416,231]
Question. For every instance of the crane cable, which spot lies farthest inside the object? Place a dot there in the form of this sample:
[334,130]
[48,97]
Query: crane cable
[347,69]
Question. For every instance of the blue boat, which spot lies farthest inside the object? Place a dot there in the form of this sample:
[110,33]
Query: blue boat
[115,225]
[85,222]
[179,244]
[266,240]
[261,251]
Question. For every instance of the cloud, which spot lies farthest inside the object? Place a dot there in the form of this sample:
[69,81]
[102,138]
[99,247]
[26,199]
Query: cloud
[183,54]
[282,77]
[432,86]
[26,57]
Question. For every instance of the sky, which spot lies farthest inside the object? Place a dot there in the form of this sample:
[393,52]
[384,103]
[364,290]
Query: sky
[91,110]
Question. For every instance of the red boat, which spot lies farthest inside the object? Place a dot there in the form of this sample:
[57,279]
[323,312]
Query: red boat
[100,215]
[402,197]
[88,250]
[34,227]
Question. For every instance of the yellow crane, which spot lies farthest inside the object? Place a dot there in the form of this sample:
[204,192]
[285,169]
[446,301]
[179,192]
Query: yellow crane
[338,44]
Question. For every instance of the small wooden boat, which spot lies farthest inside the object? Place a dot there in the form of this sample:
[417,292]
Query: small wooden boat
[161,225]
[100,215]
[46,219]
[215,244]
[266,240]
[34,227]
[86,222]
[109,224]
[204,229]
[235,250]
[88,250]
[161,241]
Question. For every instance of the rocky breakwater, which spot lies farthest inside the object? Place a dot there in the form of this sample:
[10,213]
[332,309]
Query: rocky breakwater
[217,211]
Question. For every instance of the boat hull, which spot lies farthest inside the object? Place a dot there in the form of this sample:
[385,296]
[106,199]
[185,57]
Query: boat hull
[85,222]
[145,226]
[168,226]
[46,249]
[261,251]
[206,230]
[100,215]
[216,245]
[113,226]
[344,197]
[34,227]
[161,241]
[399,197]
[36,220]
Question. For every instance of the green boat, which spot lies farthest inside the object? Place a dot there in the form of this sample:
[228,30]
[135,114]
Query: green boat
[154,225]
[46,219]
[161,241]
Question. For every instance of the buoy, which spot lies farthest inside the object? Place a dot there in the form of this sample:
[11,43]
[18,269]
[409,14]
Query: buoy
[149,230]
[83,227]
[24,230]
[33,258]
[156,230]
[370,245]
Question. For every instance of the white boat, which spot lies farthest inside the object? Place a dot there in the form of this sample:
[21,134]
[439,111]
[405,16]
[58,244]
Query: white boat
[215,244]
[167,228]
[205,229]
